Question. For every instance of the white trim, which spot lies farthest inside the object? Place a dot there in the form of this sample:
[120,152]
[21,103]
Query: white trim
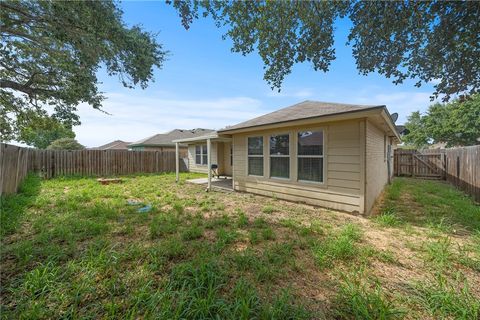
[256,155]
[284,133]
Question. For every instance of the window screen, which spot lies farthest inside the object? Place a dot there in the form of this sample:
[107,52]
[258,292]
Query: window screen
[310,156]
[280,156]
[255,156]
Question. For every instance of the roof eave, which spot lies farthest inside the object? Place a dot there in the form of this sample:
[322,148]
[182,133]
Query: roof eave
[324,118]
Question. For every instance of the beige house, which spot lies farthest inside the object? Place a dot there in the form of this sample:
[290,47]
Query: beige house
[327,154]
[164,141]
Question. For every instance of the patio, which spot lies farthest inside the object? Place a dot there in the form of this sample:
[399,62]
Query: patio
[224,183]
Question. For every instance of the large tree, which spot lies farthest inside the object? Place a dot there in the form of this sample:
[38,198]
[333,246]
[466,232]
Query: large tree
[50,52]
[429,41]
[456,123]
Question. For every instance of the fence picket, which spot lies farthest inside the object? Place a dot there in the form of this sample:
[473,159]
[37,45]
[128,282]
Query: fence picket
[17,162]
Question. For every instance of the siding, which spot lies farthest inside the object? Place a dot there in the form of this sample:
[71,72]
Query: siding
[376,164]
[343,182]
[191,158]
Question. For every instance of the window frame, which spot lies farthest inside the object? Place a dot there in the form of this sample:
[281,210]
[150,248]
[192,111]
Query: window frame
[201,154]
[289,134]
[323,156]
[256,155]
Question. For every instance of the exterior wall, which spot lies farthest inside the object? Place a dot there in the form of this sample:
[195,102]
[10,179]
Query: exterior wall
[183,150]
[226,159]
[343,186]
[191,158]
[376,163]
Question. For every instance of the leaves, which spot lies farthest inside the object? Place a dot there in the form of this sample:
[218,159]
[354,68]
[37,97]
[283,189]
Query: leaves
[50,52]
[456,123]
[428,41]
[65,144]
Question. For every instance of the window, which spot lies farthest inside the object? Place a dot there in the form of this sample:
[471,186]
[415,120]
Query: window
[280,156]
[231,156]
[310,156]
[255,156]
[201,154]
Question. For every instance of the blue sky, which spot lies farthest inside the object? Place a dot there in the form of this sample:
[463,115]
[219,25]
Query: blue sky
[204,84]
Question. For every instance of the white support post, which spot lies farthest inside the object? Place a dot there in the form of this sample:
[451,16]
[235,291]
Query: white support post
[177,162]
[209,164]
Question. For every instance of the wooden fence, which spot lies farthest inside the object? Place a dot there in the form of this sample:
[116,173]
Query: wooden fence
[17,162]
[459,166]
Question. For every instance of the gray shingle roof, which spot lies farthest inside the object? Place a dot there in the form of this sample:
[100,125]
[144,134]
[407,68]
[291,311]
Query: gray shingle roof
[165,139]
[114,145]
[303,110]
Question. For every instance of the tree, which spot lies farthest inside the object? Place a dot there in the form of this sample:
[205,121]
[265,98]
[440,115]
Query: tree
[50,52]
[43,131]
[417,135]
[65,144]
[423,40]
[456,123]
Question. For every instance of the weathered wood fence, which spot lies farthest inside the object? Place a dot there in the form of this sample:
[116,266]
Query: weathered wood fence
[17,162]
[459,166]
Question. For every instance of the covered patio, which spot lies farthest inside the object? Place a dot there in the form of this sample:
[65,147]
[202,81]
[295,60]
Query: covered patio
[216,183]
[206,162]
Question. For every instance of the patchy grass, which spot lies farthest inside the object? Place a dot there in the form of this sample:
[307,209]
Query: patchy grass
[429,203]
[72,248]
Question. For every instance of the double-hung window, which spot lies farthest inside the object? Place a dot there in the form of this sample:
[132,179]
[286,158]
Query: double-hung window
[201,154]
[255,156]
[310,156]
[280,156]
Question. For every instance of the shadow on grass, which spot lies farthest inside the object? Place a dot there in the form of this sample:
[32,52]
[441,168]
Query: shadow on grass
[14,206]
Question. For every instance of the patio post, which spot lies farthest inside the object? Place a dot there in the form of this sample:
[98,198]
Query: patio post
[177,163]
[209,164]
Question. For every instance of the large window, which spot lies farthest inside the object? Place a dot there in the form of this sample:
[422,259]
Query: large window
[280,156]
[255,156]
[201,154]
[310,156]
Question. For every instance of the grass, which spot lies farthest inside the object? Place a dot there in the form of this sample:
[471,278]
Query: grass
[359,299]
[72,248]
[340,245]
[429,203]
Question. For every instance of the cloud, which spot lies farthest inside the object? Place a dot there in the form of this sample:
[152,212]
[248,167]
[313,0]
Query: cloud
[133,118]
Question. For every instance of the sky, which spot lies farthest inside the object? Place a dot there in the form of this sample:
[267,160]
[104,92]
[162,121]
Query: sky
[204,85]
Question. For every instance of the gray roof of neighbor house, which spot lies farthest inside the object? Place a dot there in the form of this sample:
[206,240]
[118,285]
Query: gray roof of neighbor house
[165,139]
[114,145]
[303,110]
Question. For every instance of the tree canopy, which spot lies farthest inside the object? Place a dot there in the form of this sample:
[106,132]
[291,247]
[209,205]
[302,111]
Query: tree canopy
[43,131]
[50,52]
[65,144]
[429,41]
[456,123]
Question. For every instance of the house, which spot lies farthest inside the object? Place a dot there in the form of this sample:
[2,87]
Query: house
[332,155]
[114,145]
[163,141]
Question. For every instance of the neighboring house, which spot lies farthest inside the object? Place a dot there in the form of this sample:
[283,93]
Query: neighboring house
[114,145]
[327,154]
[163,141]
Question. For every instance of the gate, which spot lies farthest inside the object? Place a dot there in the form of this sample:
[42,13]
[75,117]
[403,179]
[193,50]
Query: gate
[414,163]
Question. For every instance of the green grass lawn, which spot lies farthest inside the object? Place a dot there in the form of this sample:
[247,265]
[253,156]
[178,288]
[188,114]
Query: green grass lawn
[72,248]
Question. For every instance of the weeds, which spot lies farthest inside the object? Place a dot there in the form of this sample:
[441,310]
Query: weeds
[448,299]
[339,246]
[358,299]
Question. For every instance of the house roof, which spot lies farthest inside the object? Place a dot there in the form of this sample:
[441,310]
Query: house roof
[114,145]
[165,139]
[303,110]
